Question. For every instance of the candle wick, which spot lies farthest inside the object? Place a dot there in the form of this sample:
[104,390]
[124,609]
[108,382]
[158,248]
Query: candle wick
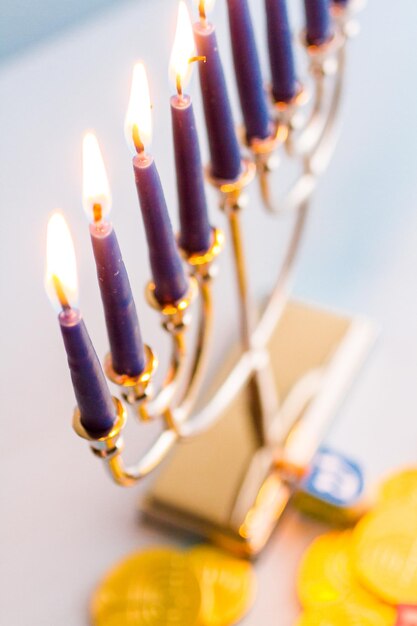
[140,148]
[63,300]
[202,11]
[97,212]
[203,59]
[179,87]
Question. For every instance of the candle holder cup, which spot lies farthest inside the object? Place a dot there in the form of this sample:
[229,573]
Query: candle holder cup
[133,388]
[201,263]
[108,445]
[255,436]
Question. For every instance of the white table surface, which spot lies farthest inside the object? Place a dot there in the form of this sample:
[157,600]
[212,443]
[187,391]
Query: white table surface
[63,524]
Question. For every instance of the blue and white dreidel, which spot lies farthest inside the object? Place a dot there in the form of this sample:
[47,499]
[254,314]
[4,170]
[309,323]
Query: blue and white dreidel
[332,488]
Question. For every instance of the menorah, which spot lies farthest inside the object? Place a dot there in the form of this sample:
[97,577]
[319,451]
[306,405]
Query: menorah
[260,428]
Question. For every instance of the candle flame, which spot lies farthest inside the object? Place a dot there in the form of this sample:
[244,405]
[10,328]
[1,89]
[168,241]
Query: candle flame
[61,267]
[183,49]
[96,190]
[205,6]
[138,121]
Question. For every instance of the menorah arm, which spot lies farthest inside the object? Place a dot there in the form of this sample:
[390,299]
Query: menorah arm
[328,70]
[300,192]
[201,350]
[319,158]
[149,409]
[313,164]
[128,476]
[201,266]
[137,391]
[316,141]
[110,448]
[279,296]
[301,135]
[165,399]
[250,362]
[256,359]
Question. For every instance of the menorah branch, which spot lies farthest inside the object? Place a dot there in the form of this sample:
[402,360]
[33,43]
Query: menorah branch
[313,144]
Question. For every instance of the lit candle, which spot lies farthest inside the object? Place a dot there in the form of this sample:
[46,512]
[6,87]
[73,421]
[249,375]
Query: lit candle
[195,231]
[281,54]
[119,307]
[95,403]
[252,94]
[225,154]
[167,270]
[318,22]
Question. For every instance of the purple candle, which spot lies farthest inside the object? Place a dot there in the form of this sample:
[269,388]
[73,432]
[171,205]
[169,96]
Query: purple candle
[195,231]
[95,403]
[281,54]
[252,95]
[122,322]
[318,22]
[167,270]
[226,163]
[93,396]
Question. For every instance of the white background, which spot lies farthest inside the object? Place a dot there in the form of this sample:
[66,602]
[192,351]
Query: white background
[63,523]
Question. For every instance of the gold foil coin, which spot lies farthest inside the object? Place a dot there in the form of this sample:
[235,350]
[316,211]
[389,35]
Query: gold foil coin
[400,486]
[349,614]
[385,553]
[227,586]
[153,588]
[326,572]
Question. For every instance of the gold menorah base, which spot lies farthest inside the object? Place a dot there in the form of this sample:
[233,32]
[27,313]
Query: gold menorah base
[227,487]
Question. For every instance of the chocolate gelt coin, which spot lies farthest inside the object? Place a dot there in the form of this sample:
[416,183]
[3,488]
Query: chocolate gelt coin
[385,553]
[326,573]
[227,585]
[151,588]
[348,614]
[400,486]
